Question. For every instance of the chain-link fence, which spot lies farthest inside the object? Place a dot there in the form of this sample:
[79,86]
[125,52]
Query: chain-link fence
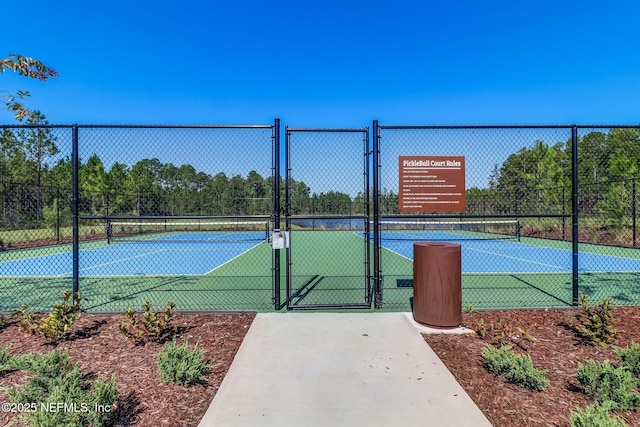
[515,208]
[163,213]
[187,213]
[36,224]
[608,171]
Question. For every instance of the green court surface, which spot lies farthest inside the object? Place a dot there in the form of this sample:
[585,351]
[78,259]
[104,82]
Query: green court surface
[244,283]
[327,268]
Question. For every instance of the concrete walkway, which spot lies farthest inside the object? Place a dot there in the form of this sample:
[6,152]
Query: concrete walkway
[339,369]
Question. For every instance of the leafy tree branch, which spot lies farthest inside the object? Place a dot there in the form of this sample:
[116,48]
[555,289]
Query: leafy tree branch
[28,67]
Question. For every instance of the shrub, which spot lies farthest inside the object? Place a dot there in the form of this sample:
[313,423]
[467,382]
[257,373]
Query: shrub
[595,324]
[630,357]
[179,365]
[150,326]
[56,324]
[595,416]
[58,381]
[604,382]
[501,334]
[50,365]
[514,368]
[6,360]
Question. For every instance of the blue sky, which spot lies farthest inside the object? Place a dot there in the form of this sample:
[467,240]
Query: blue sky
[332,63]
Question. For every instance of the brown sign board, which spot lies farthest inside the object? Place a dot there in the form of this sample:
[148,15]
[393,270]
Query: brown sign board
[432,184]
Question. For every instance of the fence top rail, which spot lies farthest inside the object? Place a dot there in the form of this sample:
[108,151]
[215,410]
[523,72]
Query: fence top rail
[453,127]
[521,126]
[336,130]
[333,130]
[133,126]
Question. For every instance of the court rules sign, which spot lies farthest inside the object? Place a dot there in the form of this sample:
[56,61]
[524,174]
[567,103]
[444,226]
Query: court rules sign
[432,184]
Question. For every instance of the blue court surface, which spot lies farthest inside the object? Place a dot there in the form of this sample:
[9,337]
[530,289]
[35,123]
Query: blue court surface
[511,256]
[164,258]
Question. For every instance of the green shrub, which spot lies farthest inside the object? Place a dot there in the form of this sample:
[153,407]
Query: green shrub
[514,368]
[604,382]
[150,326]
[595,416]
[630,357]
[56,324]
[179,365]
[6,360]
[595,324]
[51,364]
[58,381]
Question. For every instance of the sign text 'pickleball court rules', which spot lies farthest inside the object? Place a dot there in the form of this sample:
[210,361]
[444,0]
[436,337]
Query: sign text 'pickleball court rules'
[432,184]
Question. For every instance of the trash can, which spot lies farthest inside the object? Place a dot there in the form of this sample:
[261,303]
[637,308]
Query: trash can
[437,284]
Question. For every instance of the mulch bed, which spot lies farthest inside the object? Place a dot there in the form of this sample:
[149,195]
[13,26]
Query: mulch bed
[99,347]
[555,349]
[97,344]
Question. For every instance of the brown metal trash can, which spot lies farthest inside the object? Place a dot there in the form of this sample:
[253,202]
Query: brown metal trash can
[437,284]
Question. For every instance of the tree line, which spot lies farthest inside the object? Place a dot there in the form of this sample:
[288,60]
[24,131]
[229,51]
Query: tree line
[535,179]
[36,189]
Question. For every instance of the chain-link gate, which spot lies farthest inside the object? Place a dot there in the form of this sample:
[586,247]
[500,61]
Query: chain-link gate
[327,218]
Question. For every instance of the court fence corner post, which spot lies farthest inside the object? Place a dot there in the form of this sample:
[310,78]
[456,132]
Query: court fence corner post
[75,159]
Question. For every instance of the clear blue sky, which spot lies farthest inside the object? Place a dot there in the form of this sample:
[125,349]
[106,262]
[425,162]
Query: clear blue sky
[330,63]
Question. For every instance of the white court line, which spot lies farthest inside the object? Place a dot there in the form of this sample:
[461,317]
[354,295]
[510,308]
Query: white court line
[519,259]
[581,252]
[227,262]
[491,253]
[113,262]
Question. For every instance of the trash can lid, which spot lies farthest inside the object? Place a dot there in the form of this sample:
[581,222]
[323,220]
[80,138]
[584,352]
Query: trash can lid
[447,244]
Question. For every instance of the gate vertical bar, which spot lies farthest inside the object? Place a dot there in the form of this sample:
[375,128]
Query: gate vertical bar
[377,278]
[276,210]
[75,159]
[367,223]
[287,163]
[574,212]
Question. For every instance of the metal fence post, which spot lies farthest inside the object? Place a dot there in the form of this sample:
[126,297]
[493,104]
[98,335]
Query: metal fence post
[574,213]
[287,210]
[74,207]
[276,211]
[366,213]
[377,273]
